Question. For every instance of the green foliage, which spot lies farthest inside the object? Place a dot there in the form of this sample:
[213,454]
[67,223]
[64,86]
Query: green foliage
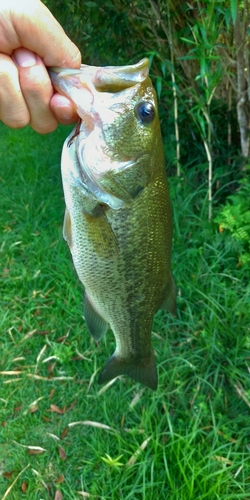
[234,217]
[62,352]
[103,32]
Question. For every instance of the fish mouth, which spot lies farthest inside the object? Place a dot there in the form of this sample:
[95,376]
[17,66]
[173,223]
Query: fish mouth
[81,85]
[85,87]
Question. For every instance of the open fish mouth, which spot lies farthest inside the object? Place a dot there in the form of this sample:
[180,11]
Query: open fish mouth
[81,85]
[84,86]
[93,89]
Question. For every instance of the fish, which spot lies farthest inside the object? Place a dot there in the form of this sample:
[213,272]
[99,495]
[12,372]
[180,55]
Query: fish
[118,217]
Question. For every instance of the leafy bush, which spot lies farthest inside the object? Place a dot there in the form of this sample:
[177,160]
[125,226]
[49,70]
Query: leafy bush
[234,217]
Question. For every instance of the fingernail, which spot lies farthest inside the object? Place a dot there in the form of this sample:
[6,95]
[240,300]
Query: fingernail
[24,58]
[63,108]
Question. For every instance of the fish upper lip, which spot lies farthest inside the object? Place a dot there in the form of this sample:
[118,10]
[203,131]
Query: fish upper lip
[103,77]
[94,79]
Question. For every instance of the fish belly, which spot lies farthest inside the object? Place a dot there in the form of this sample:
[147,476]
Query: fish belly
[123,259]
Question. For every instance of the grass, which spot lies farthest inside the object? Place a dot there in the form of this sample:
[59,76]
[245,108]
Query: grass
[61,435]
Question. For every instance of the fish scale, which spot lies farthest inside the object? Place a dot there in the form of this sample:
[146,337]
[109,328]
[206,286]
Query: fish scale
[118,220]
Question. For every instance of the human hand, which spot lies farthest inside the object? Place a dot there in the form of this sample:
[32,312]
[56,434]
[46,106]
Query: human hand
[30,40]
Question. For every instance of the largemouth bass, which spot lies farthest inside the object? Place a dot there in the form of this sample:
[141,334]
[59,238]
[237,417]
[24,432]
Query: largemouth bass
[118,221]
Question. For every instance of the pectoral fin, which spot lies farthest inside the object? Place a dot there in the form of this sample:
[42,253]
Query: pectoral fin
[67,234]
[141,370]
[97,326]
[169,302]
[130,179]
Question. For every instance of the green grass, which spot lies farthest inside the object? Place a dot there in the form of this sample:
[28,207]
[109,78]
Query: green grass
[194,430]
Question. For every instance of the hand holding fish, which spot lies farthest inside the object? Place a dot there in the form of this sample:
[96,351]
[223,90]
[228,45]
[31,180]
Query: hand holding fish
[30,40]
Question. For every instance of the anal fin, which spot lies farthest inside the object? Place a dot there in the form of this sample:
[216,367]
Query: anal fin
[97,326]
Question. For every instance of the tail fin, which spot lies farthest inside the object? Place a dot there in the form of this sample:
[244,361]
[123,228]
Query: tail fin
[141,370]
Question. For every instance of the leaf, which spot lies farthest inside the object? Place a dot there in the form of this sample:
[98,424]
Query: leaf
[61,339]
[11,372]
[234,10]
[93,424]
[42,332]
[58,410]
[222,459]
[136,398]
[35,450]
[65,432]
[60,479]
[53,436]
[24,486]
[72,405]
[33,409]
[46,419]
[134,457]
[8,475]
[51,394]
[62,453]
[106,386]
[58,495]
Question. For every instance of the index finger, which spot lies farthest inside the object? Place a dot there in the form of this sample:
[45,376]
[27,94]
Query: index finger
[29,24]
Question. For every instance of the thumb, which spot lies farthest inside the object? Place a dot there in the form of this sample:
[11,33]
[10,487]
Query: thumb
[29,24]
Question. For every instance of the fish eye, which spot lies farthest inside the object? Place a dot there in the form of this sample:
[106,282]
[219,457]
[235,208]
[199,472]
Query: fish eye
[145,111]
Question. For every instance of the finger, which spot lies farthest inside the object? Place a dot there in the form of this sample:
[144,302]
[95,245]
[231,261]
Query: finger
[28,23]
[63,109]
[37,90]
[13,109]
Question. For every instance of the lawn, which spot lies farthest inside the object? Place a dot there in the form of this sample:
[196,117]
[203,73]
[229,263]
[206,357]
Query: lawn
[64,437]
